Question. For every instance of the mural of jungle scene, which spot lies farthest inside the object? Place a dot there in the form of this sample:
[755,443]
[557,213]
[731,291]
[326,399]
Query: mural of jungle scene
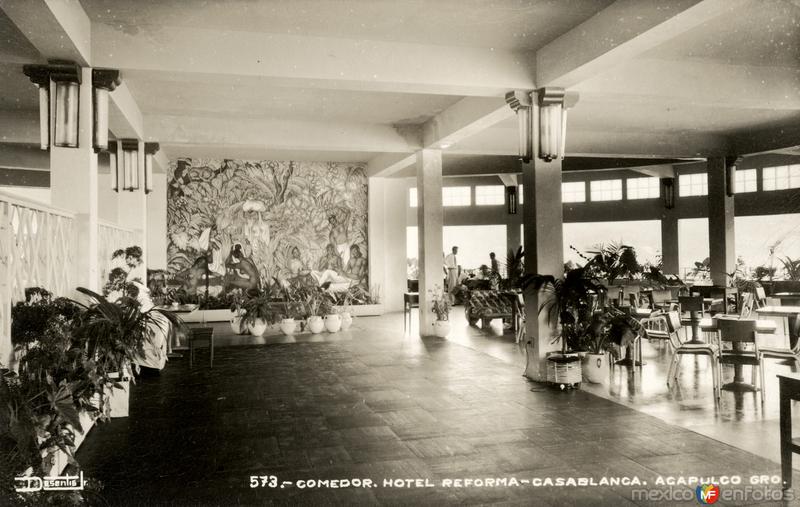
[251,224]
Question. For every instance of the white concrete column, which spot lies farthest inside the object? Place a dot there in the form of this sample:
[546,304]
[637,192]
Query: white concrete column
[721,237]
[73,184]
[133,210]
[430,219]
[108,206]
[387,239]
[544,254]
[157,223]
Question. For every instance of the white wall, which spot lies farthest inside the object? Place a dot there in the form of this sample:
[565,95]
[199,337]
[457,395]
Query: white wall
[387,240]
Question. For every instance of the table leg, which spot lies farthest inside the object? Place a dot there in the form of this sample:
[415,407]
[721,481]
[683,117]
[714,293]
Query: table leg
[786,437]
[630,357]
[696,339]
[738,384]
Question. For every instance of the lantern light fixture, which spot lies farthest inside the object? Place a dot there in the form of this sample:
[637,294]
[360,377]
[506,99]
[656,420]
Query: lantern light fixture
[521,103]
[66,76]
[112,164]
[547,117]
[668,186]
[128,164]
[730,174]
[150,149]
[104,81]
[511,199]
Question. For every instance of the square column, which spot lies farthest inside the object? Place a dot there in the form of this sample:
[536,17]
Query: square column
[73,186]
[544,255]
[670,245]
[387,240]
[721,237]
[156,209]
[430,220]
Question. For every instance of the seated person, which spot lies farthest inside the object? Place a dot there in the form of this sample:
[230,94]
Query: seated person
[356,268]
[240,272]
[299,274]
[330,267]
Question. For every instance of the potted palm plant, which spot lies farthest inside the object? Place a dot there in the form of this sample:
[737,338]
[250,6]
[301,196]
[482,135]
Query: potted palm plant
[258,315]
[568,306]
[440,306]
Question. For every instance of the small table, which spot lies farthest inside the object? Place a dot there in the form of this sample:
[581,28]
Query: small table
[410,300]
[789,390]
[790,319]
[187,308]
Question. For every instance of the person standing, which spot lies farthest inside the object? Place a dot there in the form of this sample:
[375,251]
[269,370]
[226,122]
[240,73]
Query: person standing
[494,268]
[451,264]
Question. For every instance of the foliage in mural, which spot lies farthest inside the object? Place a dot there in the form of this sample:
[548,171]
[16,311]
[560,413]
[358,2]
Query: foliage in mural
[241,224]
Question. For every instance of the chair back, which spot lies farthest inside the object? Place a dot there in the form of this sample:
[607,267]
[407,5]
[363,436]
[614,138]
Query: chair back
[673,321]
[691,303]
[661,296]
[734,330]
[201,334]
[761,296]
[748,302]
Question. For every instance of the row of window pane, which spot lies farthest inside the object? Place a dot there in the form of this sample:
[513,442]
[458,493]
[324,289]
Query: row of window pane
[774,178]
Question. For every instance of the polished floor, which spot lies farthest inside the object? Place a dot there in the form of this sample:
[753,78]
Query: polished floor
[373,404]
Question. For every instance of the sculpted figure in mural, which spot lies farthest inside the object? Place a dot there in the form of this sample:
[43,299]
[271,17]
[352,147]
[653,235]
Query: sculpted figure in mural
[356,268]
[299,274]
[240,272]
[338,235]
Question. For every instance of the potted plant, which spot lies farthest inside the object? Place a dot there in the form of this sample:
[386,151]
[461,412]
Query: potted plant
[440,306]
[568,305]
[237,318]
[344,312]
[314,303]
[333,322]
[258,315]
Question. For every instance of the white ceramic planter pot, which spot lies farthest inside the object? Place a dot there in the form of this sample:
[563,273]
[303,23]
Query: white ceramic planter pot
[118,399]
[258,327]
[288,326]
[333,323]
[347,320]
[316,324]
[441,328]
[237,325]
[595,368]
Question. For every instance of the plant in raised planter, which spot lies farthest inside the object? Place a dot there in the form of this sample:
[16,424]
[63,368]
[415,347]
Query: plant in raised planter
[440,306]
[258,315]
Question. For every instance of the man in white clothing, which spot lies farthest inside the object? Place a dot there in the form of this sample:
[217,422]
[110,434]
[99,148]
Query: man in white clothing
[451,264]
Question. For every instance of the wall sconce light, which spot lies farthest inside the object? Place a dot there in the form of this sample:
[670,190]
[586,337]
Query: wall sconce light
[150,149]
[66,76]
[730,174]
[104,81]
[511,199]
[112,165]
[552,105]
[128,163]
[668,185]
[522,104]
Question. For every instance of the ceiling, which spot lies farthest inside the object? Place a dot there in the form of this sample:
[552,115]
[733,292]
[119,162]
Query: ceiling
[376,80]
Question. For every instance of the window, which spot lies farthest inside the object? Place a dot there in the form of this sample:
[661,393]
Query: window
[519,194]
[606,190]
[412,197]
[490,195]
[643,188]
[746,180]
[692,184]
[574,191]
[456,196]
[782,177]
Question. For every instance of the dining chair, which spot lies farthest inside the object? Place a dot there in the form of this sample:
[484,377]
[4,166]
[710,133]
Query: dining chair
[201,336]
[660,299]
[739,333]
[760,297]
[664,327]
[709,349]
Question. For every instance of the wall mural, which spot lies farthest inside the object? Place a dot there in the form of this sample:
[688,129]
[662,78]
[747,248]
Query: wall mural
[241,224]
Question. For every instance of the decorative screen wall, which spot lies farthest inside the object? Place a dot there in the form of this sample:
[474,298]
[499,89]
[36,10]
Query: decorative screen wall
[242,224]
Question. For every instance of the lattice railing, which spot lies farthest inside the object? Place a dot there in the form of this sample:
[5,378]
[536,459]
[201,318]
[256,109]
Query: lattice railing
[37,249]
[109,239]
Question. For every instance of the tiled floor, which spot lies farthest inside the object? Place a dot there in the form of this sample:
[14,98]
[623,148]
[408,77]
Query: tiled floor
[370,403]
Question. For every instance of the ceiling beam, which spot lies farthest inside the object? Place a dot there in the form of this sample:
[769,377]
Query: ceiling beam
[389,164]
[276,134]
[624,30]
[509,180]
[335,63]
[464,119]
[657,171]
[697,83]
[767,140]
[124,117]
[58,29]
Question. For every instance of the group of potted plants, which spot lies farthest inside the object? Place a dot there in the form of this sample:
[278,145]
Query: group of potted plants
[72,363]
[304,306]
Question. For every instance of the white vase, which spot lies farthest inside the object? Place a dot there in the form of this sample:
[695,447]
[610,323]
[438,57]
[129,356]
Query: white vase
[441,328]
[258,327]
[316,324]
[347,320]
[595,368]
[288,326]
[333,323]
[237,325]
